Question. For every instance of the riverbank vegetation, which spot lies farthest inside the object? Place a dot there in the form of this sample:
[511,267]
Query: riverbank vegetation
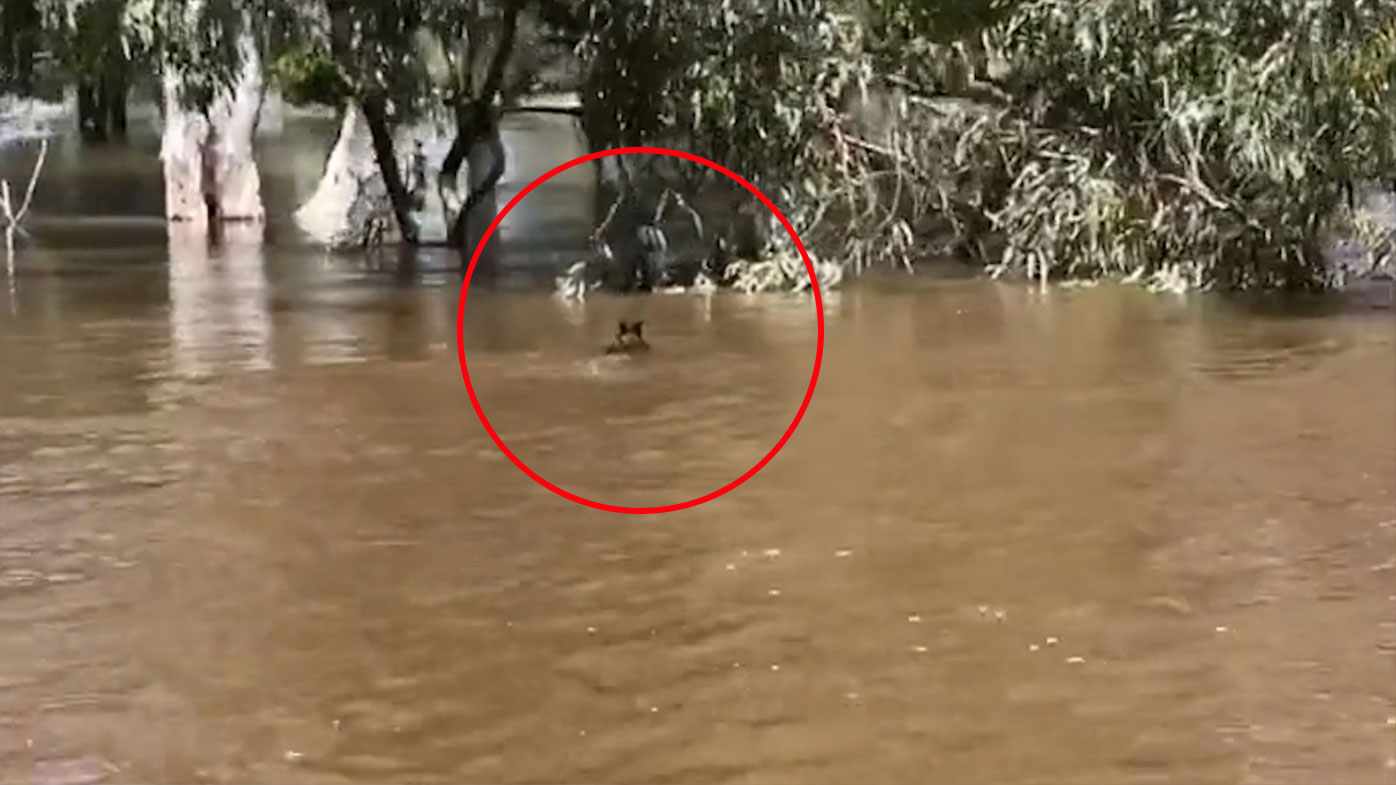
[1179,142]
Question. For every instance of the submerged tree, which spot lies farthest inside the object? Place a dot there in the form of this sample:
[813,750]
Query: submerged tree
[210,64]
[1215,142]
[84,41]
[351,204]
[474,46]
[760,87]
[372,47]
[455,63]
[21,26]
[90,45]
[358,60]
[1208,142]
[483,58]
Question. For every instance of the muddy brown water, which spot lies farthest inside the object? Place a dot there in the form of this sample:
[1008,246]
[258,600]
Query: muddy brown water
[252,530]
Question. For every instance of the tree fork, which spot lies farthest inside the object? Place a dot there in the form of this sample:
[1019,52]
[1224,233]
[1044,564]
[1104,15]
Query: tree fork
[375,108]
[460,228]
[477,123]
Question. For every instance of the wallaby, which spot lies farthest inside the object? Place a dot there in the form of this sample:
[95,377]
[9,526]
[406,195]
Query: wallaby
[629,339]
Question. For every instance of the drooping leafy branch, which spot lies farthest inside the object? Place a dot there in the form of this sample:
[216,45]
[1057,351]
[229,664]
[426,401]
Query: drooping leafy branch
[1218,136]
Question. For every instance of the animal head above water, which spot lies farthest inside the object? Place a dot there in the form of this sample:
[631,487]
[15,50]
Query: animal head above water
[629,339]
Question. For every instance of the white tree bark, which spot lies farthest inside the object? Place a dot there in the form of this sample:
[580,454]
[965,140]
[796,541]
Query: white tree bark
[235,116]
[181,148]
[351,194]
[212,154]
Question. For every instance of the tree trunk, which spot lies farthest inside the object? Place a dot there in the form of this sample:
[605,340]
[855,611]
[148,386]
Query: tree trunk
[113,95]
[374,106]
[183,152]
[19,26]
[448,177]
[481,148]
[486,167]
[25,51]
[477,127]
[375,111]
[91,124]
[21,65]
[350,195]
[207,157]
[105,101]
[235,117]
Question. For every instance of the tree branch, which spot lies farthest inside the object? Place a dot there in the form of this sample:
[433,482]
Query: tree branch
[570,111]
[693,216]
[597,235]
[980,91]
[494,78]
[33,181]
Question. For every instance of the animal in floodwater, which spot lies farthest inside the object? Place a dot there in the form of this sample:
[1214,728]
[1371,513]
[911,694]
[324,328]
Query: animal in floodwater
[629,339]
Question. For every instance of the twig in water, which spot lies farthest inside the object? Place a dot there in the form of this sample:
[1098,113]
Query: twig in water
[13,218]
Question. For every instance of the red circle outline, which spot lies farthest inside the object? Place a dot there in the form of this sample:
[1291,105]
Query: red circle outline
[480,412]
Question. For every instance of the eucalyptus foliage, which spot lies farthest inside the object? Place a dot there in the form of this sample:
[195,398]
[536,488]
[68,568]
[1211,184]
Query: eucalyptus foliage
[1221,136]
[1213,141]
[1208,142]
[1216,141]
[757,86]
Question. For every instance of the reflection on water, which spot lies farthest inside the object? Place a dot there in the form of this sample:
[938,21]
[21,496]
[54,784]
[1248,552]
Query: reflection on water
[218,303]
[250,529]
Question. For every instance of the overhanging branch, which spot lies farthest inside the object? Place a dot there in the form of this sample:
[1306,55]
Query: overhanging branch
[570,111]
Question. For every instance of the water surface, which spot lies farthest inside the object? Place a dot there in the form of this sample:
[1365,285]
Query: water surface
[252,529]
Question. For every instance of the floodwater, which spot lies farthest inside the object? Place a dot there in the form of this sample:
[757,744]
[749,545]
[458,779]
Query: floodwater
[251,529]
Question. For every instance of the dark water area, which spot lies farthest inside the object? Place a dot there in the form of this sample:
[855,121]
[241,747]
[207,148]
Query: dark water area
[251,528]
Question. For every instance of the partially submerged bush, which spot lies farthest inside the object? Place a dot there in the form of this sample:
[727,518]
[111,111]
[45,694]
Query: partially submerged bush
[782,272]
[1212,142]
